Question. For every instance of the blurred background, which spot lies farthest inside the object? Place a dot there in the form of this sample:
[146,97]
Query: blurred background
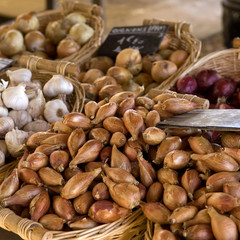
[205,16]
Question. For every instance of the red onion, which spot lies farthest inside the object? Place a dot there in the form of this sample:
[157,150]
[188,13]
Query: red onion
[206,78]
[187,85]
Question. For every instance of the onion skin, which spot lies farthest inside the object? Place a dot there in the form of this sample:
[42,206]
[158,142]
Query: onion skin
[77,120]
[67,47]
[200,144]
[34,41]
[11,42]
[30,176]
[52,222]
[82,222]
[63,208]
[167,175]
[23,196]
[182,214]
[79,184]
[9,185]
[154,192]
[134,123]
[105,211]
[147,172]
[174,196]
[162,69]
[35,161]
[216,181]
[156,212]
[223,227]
[199,231]
[83,202]
[166,146]
[51,177]
[76,140]
[162,234]
[119,160]
[206,78]
[39,206]
[217,161]
[130,59]
[126,195]
[87,153]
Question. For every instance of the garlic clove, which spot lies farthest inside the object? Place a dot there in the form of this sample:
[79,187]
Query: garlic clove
[36,105]
[19,75]
[6,125]
[55,110]
[20,118]
[15,98]
[57,85]
[37,126]
[3,85]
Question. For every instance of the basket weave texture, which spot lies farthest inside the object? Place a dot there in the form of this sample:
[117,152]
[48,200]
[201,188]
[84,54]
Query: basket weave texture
[130,228]
[225,62]
[183,39]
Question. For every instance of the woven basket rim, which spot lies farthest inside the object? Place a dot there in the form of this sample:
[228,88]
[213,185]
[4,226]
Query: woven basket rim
[182,31]
[30,230]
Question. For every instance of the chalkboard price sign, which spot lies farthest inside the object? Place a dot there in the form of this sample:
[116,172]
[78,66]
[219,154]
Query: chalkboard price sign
[144,38]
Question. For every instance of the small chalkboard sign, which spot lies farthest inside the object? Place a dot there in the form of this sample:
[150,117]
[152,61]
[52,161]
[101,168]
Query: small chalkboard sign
[144,38]
[5,62]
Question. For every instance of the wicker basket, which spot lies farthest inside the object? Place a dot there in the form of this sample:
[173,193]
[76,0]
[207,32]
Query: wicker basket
[225,62]
[75,100]
[132,227]
[91,12]
[182,38]
[149,230]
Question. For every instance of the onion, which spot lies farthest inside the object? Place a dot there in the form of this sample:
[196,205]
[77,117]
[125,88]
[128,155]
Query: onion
[187,85]
[67,47]
[130,59]
[11,42]
[162,70]
[178,57]
[26,22]
[73,18]
[206,78]
[55,32]
[223,87]
[50,48]
[34,41]
[81,33]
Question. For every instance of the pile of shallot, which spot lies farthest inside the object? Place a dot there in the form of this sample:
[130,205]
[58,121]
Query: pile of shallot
[94,167]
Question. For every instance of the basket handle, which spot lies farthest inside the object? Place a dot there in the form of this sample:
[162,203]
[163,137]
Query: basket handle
[35,63]
[25,228]
[173,26]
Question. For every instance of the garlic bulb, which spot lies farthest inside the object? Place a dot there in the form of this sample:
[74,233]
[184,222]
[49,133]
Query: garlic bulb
[15,140]
[6,125]
[55,110]
[81,33]
[3,109]
[57,85]
[15,98]
[19,75]
[36,105]
[3,85]
[20,118]
[37,126]
[31,88]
